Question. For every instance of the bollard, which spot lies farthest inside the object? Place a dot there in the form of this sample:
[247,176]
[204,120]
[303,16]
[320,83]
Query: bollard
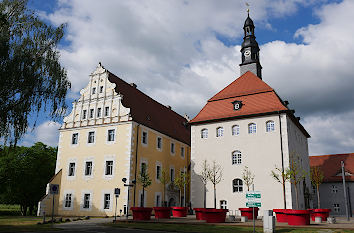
[244,218]
[318,219]
[268,221]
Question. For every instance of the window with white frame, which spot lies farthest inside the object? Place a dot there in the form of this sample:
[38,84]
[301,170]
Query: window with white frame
[109,168]
[106,111]
[111,134]
[88,168]
[91,137]
[223,204]
[235,130]
[143,168]
[144,138]
[236,157]
[334,189]
[172,174]
[74,138]
[159,143]
[270,126]
[182,152]
[204,133]
[93,90]
[158,200]
[84,114]
[172,148]
[252,128]
[237,185]
[107,201]
[68,199]
[101,89]
[336,208]
[71,169]
[158,172]
[91,112]
[219,132]
[99,111]
[86,201]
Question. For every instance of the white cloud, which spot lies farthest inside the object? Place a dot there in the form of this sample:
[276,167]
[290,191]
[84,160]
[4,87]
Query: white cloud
[47,132]
[170,50]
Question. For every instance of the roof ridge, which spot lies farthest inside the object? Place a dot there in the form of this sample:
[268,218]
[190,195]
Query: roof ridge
[254,93]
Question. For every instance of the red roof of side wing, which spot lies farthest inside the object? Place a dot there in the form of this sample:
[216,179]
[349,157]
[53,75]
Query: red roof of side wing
[151,113]
[256,96]
[331,166]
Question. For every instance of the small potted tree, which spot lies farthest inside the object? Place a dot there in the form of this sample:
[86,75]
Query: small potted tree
[214,215]
[180,182]
[317,177]
[142,213]
[163,211]
[248,178]
[204,177]
[281,176]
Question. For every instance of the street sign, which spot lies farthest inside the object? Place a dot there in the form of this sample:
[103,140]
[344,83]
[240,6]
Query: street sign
[54,188]
[253,194]
[117,191]
[253,204]
[253,199]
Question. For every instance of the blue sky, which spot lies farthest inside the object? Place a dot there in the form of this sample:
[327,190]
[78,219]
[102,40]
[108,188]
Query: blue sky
[183,52]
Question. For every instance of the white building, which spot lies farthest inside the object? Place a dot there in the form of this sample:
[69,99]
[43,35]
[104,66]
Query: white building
[247,124]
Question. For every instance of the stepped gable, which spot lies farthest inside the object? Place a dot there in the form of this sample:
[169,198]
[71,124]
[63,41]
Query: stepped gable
[151,113]
[331,166]
[256,96]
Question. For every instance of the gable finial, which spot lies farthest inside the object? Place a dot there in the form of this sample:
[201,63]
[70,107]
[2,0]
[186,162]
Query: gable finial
[248,8]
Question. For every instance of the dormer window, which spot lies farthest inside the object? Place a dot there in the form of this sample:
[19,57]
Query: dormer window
[237,105]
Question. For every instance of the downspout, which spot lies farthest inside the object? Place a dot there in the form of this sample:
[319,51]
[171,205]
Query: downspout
[282,160]
[136,159]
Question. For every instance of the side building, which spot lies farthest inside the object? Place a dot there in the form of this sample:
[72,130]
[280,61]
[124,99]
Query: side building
[331,189]
[113,132]
[248,125]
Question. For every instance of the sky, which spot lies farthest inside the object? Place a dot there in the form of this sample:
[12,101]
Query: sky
[181,53]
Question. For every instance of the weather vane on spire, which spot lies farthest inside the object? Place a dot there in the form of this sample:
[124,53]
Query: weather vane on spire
[248,8]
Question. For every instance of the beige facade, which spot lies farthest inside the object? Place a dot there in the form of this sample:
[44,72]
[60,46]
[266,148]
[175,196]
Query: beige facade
[99,145]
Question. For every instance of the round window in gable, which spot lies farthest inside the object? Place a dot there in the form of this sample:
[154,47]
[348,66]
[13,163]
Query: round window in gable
[237,105]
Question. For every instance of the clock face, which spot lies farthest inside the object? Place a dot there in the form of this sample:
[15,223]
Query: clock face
[247,53]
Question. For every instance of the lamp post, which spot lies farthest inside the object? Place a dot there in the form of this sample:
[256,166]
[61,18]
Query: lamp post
[128,185]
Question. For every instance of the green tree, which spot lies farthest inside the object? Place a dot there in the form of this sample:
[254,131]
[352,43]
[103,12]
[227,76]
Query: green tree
[164,179]
[281,176]
[31,77]
[144,180]
[248,177]
[24,174]
[181,181]
[215,177]
[317,179]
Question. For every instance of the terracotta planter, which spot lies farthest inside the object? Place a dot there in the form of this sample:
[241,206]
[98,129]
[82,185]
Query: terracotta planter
[162,212]
[215,215]
[248,212]
[141,213]
[281,215]
[323,213]
[179,211]
[298,217]
[199,215]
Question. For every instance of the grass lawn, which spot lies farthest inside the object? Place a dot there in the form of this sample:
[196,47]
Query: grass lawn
[22,223]
[206,228]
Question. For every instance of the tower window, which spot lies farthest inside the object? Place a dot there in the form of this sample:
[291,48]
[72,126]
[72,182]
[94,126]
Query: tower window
[237,185]
[93,90]
[252,128]
[74,138]
[91,137]
[91,112]
[219,132]
[84,114]
[99,112]
[106,111]
[101,89]
[204,133]
[270,126]
[111,134]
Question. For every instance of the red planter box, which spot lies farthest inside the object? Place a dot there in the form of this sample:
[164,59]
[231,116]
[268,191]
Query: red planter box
[298,217]
[162,212]
[179,211]
[248,212]
[281,215]
[199,215]
[323,213]
[141,213]
[215,215]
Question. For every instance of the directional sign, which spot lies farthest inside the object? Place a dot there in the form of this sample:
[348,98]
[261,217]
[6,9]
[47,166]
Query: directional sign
[253,194]
[253,204]
[253,199]
[53,188]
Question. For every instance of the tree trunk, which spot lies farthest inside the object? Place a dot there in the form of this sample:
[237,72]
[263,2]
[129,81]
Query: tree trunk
[180,198]
[163,196]
[214,196]
[142,201]
[318,197]
[297,197]
[204,195]
[284,197]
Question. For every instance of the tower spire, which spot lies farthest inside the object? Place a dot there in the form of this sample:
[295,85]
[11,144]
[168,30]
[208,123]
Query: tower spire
[250,49]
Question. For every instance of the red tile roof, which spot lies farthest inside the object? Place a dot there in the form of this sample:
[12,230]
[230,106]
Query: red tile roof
[331,166]
[256,96]
[151,113]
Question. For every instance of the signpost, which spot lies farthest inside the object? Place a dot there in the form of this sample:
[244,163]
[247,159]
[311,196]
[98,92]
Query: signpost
[53,189]
[253,200]
[116,192]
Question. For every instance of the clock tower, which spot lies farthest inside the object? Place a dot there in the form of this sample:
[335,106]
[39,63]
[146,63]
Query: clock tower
[250,50]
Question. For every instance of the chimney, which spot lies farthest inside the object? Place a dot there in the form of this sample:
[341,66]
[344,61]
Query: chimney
[168,106]
[133,85]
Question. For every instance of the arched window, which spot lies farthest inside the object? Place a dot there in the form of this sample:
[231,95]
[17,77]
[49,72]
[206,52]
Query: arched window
[252,128]
[237,185]
[270,126]
[219,131]
[204,133]
[235,130]
[236,157]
